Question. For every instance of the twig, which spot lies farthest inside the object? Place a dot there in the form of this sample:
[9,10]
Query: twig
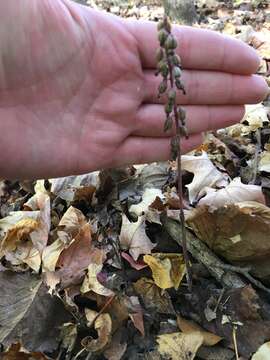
[246,274]
[256,157]
[235,342]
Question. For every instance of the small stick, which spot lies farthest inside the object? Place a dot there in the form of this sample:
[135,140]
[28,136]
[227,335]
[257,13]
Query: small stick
[235,342]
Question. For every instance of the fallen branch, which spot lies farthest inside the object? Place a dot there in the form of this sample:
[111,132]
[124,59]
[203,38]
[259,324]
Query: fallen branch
[203,254]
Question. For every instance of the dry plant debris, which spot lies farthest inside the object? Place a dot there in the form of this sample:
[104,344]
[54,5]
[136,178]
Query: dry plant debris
[92,266]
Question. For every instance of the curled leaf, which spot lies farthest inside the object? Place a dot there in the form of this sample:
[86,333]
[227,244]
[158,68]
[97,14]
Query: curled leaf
[168,269]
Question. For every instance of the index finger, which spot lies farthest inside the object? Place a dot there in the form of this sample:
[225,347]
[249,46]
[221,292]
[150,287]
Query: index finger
[199,49]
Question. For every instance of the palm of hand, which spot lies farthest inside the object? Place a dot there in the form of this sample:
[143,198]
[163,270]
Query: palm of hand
[80,106]
[77,91]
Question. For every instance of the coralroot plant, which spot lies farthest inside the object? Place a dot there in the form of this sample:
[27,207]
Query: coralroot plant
[169,67]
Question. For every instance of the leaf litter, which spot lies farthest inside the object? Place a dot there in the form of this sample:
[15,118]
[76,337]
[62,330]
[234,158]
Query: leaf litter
[90,267]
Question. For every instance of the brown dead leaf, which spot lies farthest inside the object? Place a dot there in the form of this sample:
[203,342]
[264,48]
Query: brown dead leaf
[75,259]
[16,352]
[239,232]
[135,313]
[153,297]
[179,346]
[134,238]
[116,348]
[235,192]
[188,326]
[205,175]
[168,269]
[73,188]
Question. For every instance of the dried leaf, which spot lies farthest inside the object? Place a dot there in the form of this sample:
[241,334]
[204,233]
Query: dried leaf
[205,175]
[91,282]
[148,197]
[51,254]
[70,225]
[263,353]
[256,116]
[264,163]
[153,297]
[239,233]
[116,349]
[187,326]
[16,352]
[68,336]
[134,238]
[75,187]
[179,346]
[138,265]
[235,192]
[168,269]
[28,314]
[74,260]
[103,326]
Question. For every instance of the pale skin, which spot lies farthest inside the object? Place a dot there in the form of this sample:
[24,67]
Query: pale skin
[78,91]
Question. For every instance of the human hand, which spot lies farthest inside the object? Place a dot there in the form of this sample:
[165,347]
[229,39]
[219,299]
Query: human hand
[78,91]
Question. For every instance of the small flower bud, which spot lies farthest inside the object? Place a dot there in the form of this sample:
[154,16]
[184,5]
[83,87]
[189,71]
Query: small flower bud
[172,95]
[182,115]
[168,108]
[177,72]
[168,124]
[184,132]
[164,70]
[159,55]
[162,36]
[170,43]
[168,25]
[163,87]
[180,86]
[160,25]
[176,60]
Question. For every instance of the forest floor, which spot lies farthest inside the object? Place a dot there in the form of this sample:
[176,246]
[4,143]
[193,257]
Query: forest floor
[109,282]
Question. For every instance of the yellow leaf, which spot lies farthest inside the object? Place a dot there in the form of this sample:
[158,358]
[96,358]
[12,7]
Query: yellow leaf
[179,346]
[18,232]
[51,254]
[168,269]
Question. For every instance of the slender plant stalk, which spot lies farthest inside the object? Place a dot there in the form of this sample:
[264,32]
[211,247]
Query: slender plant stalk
[169,66]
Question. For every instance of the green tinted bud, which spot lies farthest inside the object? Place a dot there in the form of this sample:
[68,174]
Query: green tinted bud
[176,60]
[180,86]
[182,114]
[184,132]
[172,95]
[165,70]
[168,25]
[162,37]
[170,43]
[177,72]
[168,124]
[159,55]
[160,25]
[162,87]
[168,108]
